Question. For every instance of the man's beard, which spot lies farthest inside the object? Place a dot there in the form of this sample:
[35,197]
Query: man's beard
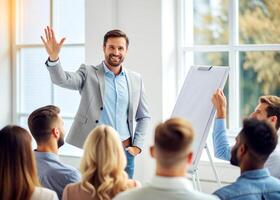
[234,160]
[112,63]
[60,141]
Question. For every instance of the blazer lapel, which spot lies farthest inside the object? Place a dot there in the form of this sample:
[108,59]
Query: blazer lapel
[101,80]
[130,89]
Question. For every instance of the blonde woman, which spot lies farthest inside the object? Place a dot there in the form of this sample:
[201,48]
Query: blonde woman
[102,168]
[18,176]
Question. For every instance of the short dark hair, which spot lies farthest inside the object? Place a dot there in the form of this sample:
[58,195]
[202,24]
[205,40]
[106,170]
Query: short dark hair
[273,108]
[259,137]
[173,139]
[40,122]
[115,34]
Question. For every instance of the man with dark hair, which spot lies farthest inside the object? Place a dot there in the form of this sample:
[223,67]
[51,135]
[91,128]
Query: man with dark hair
[268,109]
[172,151]
[47,128]
[110,94]
[256,141]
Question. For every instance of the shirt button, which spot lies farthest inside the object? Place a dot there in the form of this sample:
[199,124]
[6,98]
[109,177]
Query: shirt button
[96,121]
[101,108]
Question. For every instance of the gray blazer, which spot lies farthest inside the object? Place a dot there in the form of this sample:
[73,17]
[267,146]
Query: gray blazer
[90,82]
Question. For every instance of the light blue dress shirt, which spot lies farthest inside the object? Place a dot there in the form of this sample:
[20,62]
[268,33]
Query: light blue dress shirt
[221,145]
[116,102]
[252,185]
[53,174]
[222,149]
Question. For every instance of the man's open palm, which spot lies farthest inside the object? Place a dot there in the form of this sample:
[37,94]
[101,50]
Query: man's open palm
[50,43]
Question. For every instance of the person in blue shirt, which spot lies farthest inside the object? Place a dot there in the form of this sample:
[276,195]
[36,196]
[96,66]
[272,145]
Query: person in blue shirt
[47,128]
[268,109]
[255,142]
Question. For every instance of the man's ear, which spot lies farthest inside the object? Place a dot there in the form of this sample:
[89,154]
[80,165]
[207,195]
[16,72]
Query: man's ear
[152,151]
[55,132]
[242,150]
[190,158]
[273,119]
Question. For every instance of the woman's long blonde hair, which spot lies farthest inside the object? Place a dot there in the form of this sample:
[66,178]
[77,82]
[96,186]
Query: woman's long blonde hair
[103,164]
[18,174]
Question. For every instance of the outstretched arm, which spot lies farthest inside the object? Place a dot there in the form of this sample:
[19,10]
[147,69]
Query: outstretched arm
[221,144]
[70,80]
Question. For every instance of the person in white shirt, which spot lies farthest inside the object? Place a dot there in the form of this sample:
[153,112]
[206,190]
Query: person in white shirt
[19,180]
[173,155]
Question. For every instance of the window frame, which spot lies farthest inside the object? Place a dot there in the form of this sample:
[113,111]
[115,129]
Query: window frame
[233,48]
[17,113]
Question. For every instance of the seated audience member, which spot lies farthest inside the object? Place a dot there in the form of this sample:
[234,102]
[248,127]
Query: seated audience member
[268,109]
[172,151]
[18,175]
[254,144]
[102,168]
[46,127]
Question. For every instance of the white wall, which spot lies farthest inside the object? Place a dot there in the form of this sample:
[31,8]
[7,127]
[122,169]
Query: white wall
[5,64]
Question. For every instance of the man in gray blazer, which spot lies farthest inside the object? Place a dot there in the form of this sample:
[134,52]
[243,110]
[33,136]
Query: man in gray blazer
[110,94]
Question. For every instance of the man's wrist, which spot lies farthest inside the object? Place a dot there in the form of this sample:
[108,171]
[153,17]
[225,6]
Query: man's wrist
[53,59]
[221,114]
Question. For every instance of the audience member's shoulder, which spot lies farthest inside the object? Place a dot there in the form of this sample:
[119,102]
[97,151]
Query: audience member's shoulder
[275,182]
[67,172]
[140,193]
[75,191]
[131,193]
[43,193]
[73,186]
[201,196]
[230,191]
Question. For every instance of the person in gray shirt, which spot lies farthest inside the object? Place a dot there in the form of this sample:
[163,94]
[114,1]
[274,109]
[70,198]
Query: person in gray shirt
[47,128]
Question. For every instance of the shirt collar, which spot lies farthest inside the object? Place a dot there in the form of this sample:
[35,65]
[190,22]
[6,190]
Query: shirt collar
[170,182]
[109,72]
[46,155]
[256,174]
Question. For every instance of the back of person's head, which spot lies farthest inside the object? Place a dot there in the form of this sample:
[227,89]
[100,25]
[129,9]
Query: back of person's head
[17,165]
[42,121]
[103,163]
[173,139]
[273,107]
[260,139]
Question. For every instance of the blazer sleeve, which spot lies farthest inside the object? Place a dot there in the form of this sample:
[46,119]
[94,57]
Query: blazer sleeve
[70,80]
[142,119]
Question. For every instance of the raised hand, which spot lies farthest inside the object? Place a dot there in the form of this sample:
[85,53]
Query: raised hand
[220,102]
[51,45]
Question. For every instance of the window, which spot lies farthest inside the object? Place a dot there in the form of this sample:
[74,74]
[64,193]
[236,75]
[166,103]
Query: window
[241,34]
[33,86]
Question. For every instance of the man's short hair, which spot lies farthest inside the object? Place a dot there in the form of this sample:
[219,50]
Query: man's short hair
[115,34]
[273,108]
[173,139]
[259,137]
[40,122]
